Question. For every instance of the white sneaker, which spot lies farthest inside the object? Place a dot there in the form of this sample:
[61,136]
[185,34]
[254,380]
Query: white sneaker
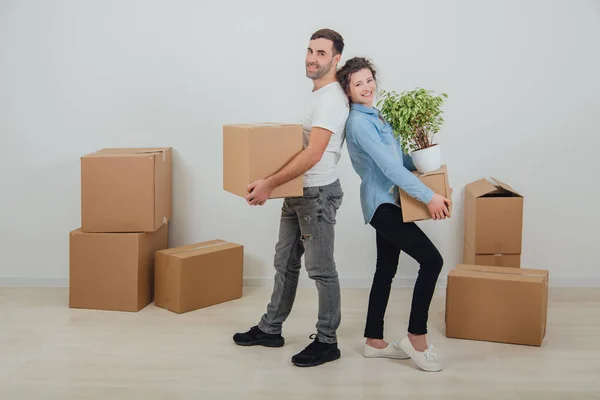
[392,350]
[426,360]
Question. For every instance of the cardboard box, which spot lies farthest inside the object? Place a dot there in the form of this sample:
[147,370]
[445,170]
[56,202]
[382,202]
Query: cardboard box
[507,305]
[198,275]
[414,210]
[493,218]
[257,151]
[498,260]
[126,190]
[113,271]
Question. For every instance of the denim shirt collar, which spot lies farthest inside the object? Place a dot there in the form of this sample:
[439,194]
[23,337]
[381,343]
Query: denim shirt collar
[364,109]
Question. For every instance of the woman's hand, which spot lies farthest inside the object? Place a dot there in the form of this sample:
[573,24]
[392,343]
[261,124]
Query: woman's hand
[438,207]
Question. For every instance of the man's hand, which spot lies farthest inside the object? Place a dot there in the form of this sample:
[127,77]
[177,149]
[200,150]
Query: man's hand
[438,207]
[259,192]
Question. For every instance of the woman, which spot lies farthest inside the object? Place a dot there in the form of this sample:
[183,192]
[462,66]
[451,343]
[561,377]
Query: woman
[379,161]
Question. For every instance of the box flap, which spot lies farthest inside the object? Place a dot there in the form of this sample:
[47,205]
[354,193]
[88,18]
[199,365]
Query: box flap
[111,152]
[266,124]
[484,187]
[260,125]
[481,187]
[504,186]
[505,270]
[79,231]
[442,170]
[463,273]
[200,248]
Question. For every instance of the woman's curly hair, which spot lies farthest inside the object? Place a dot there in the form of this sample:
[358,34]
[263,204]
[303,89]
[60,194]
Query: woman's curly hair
[351,66]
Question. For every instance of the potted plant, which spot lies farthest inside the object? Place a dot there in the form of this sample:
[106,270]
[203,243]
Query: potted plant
[415,117]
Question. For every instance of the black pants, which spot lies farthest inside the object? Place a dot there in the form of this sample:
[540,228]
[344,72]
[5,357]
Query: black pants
[393,236]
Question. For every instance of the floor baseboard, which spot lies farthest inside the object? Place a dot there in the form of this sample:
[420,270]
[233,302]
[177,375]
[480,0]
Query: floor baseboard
[346,283]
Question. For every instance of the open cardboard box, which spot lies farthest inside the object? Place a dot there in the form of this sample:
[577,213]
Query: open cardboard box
[493,218]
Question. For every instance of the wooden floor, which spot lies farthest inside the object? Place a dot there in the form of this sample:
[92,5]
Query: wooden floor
[49,351]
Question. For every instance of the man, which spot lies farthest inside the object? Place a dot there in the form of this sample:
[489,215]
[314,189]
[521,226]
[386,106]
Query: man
[307,222]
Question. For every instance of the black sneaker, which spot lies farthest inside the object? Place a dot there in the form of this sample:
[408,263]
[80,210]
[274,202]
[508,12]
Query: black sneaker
[257,337]
[316,353]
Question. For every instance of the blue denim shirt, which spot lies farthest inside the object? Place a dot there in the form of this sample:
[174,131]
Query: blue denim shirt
[378,159]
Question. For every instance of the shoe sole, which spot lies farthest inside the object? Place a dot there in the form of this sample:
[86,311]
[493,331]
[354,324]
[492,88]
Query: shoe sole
[423,368]
[329,357]
[260,343]
[378,354]
[390,357]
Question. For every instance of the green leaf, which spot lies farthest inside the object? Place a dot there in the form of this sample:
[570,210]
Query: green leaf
[414,115]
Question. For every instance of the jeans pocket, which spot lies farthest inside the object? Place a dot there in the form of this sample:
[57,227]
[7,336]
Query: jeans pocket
[332,205]
[335,200]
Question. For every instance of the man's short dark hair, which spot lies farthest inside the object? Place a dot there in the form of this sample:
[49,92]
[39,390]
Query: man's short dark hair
[329,34]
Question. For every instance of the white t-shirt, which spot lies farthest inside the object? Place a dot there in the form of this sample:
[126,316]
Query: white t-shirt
[328,109]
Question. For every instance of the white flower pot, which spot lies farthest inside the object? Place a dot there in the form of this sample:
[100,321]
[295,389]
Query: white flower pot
[428,159]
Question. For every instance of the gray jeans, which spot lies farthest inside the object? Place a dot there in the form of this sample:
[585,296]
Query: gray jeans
[307,228]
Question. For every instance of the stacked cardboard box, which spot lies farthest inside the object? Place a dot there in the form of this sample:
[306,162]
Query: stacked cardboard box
[120,259]
[497,304]
[493,224]
[489,297]
[126,199]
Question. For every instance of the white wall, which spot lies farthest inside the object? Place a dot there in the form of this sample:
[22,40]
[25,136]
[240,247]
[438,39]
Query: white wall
[522,79]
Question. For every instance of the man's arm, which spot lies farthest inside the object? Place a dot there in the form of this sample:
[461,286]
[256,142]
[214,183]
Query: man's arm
[305,160]
[260,190]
